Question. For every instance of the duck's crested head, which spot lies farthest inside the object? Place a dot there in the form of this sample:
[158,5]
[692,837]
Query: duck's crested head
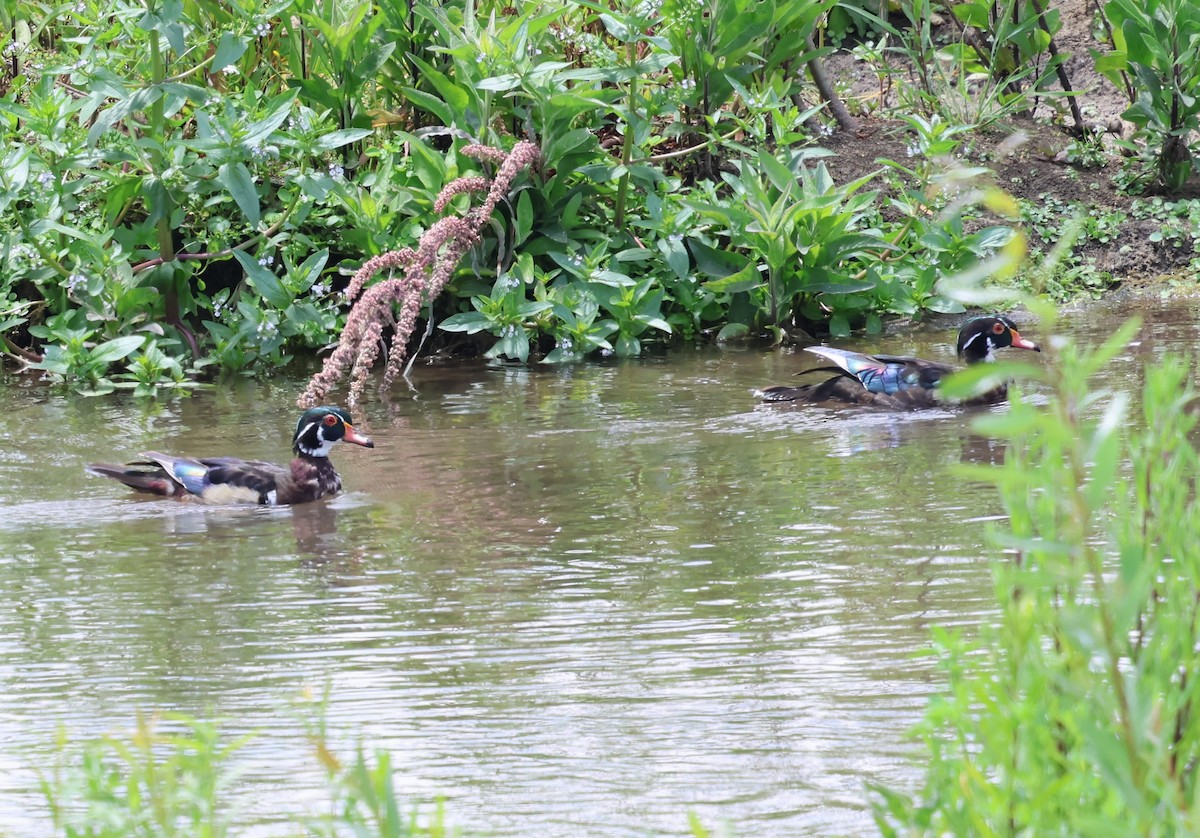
[320,428]
[980,337]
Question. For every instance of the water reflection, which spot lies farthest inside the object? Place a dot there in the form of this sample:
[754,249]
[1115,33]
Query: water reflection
[583,601]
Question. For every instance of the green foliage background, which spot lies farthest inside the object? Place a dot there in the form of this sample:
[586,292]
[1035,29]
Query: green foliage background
[186,184]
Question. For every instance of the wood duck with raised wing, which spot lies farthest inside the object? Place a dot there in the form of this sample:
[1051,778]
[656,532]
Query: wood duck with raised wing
[903,383]
[224,480]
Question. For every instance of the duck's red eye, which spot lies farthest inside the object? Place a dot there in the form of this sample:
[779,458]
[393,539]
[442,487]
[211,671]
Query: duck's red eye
[998,328]
[330,420]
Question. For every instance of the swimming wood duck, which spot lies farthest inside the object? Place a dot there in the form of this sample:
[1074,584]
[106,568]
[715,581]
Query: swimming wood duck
[222,480]
[901,383]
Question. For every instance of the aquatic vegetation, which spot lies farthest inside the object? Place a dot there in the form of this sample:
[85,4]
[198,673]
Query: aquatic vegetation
[1075,708]
[171,776]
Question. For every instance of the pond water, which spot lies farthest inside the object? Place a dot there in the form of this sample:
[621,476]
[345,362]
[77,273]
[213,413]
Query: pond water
[581,601]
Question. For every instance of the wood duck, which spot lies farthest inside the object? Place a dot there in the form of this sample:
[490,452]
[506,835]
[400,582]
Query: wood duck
[902,383]
[224,480]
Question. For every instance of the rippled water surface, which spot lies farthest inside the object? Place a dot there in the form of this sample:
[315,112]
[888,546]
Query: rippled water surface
[575,602]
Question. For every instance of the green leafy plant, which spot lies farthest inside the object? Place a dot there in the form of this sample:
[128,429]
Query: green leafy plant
[1158,43]
[992,70]
[147,783]
[802,234]
[75,358]
[597,280]
[1074,712]
[506,313]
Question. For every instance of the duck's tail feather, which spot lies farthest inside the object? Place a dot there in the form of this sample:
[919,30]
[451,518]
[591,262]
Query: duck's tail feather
[782,393]
[144,477]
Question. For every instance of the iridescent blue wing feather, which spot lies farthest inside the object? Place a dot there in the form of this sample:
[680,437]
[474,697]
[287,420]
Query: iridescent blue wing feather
[885,374]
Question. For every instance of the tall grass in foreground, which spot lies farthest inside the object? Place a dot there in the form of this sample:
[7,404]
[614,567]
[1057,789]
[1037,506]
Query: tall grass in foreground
[162,784]
[171,777]
[1075,711]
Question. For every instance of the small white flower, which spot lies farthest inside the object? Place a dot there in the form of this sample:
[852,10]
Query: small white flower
[74,281]
[266,329]
[566,344]
[914,150]
[262,30]
[321,288]
[10,48]
[46,178]
[675,238]
[266,260]
[229,70]
[337,171]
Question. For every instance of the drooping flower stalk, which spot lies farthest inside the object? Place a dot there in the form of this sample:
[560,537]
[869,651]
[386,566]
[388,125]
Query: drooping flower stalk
[397,300]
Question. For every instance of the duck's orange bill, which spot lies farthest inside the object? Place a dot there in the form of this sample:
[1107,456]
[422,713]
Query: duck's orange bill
[353,436]
[1021,343]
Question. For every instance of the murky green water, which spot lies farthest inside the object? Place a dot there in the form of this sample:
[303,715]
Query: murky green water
[577,602]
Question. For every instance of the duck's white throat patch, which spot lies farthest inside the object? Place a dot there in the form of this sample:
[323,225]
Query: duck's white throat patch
[990,355]
[320,451]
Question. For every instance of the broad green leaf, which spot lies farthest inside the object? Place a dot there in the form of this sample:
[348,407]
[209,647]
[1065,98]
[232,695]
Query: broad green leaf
[337,139]
[980,378]
[316,91]
[845,285]
[458,99]
[310,269]
[524,217]
[235,177]
[509,81]
[230,48]
[115,349]
[714,262]
[467,321]
[839,326]
[258,131]
[733,331]
[616,28]
[627,346]
[532,307]
[425,101]
[676,256]
[745,279]
[262,280]
[157,198]
[13,109]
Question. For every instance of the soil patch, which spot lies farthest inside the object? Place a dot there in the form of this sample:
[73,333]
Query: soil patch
[1028,153]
